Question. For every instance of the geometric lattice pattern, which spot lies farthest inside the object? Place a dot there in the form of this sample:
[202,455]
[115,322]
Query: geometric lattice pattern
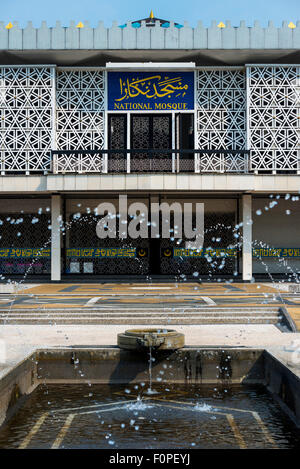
[19,232]
[221,119]
[274,117]
[26,118]
[27,131]
[151,132]
[80,110]
[221,163]
[219,232]
[117,140]
[79,163]
[82,233]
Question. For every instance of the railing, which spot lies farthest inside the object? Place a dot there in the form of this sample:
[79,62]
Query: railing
[150,161]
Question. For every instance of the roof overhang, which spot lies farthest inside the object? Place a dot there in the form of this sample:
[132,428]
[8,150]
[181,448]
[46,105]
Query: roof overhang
[101,57]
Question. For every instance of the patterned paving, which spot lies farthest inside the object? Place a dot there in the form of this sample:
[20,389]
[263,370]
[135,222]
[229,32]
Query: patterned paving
[151,288]
[294,312]
[168,303]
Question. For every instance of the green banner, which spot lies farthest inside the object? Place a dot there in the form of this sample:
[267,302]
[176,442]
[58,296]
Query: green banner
[24,253]
[214,252]
[92,253]
[276,252]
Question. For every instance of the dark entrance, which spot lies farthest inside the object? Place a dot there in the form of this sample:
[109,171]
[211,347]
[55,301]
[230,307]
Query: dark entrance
[146,256]
[154,257]
[151,132]
[117,140]
[185,141]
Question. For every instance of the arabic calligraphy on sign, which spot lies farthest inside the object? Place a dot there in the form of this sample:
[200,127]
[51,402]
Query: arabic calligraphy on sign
[150,91]
[152,87]
[101,252]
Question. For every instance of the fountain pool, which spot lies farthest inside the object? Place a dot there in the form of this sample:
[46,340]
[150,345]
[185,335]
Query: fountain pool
[120,416]
[200,398]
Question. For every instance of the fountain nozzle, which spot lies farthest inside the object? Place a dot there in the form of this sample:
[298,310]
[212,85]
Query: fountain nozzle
[163,339]
[150,340]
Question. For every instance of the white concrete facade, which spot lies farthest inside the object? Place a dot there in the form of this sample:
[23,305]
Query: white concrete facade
[267,183]
[56,219]
[247,237]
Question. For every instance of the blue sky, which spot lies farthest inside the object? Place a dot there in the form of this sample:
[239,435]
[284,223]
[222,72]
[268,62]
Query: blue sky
[123,10]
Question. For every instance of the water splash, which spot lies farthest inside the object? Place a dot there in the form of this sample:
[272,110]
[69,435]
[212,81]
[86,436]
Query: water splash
[150,391]
[203,407]
[138,405]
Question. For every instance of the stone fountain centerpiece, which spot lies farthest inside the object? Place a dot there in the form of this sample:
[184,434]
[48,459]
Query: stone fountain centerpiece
[157,339]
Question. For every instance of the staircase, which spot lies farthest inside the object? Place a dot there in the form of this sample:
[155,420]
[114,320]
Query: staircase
[147,315]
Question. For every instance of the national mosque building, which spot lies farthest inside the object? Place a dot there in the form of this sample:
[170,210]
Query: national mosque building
[159,112]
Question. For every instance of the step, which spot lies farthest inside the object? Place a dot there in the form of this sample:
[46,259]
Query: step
[139,315]
[138,312]
[137,318]
[131,321]
[121,310]
[148,315]
[108,316]
[110,320]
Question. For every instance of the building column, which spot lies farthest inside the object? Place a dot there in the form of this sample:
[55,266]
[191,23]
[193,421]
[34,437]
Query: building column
[247,237]
[56,237]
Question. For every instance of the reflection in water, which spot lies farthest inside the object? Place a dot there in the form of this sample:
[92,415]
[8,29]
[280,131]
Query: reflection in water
[183,416]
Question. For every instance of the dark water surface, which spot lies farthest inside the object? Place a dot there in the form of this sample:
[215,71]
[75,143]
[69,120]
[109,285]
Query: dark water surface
[178,416]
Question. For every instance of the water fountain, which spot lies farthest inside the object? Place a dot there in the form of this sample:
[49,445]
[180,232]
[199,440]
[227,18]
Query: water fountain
[113,390]
[149,340]
[145,339]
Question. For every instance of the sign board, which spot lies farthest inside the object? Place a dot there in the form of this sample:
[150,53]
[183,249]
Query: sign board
[100,252]
[150,91]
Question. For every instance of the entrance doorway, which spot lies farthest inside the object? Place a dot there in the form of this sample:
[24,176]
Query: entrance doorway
[151,132]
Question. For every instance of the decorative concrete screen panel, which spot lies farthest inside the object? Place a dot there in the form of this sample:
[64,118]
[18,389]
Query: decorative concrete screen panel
[26,118]
[80,119]
[221,119]
[274,117]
